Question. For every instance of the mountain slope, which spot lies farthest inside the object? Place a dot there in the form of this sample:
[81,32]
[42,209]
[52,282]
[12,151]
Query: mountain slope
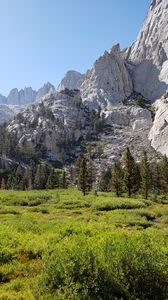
[72,80]
[148,56]
[108,82]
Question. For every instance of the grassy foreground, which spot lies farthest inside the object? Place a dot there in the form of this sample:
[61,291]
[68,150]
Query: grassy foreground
[61,245]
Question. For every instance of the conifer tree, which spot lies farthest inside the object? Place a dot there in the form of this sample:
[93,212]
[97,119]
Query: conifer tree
[117,178]
[84,181]
[40,178]
[17,179]
[53,180]
[155,178]
[163,174]
[64,180]
[129,172]
[145,175]
[104,183]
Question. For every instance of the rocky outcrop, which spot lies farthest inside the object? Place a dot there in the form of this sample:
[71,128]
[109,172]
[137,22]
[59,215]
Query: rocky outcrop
[3,99]
[56,123]
[16,100]
[22,97]
[148,56]
[108,82]
[46,89]
[72,80]
[133,116]
[6,113]
[159,131]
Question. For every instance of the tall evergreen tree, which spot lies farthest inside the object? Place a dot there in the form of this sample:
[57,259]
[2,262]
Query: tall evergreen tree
[145,175]
[129,172]
[117,178]
[40,178]
[163,174]
[155,178]
[17,179]
[84,181]
[104,183]
[64,182]
[53,180]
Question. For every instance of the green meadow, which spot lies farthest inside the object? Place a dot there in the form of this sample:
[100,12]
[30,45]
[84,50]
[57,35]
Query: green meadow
[58,244]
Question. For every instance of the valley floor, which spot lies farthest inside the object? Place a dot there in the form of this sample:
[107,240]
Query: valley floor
[58,244]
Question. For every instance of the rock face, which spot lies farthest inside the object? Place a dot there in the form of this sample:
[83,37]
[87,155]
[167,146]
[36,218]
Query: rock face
[60,121]
[3,99]
[71,81]
[148,56]
[159,132]
[22,97]
[19,99]
[6,113]
[46,89]
[57,122]
[108,82]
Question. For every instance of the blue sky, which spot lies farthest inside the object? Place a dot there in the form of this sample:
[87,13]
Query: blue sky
[42,39]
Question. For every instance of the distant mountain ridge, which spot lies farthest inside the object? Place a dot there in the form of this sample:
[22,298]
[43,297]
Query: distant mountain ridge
[26,96]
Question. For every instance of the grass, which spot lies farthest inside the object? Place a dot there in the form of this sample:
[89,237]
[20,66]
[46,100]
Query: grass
[36,226]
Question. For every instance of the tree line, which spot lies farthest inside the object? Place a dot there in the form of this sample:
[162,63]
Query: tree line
[40,176]
[125,176]
[128,176]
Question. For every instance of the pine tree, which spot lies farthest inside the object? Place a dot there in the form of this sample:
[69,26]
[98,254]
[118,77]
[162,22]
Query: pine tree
[117,178]
[16,180]
[53,180]
[163,174]
[28,179]
[104,183]
[64,180]
[155,178]
[84,181]
[40,178]
[145,175]
[129,172]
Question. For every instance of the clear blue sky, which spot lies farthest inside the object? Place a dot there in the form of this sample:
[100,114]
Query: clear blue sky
[42,39]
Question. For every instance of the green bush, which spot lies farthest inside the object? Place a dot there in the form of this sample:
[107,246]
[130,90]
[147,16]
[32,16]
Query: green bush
[120,267]
[75,272]
[111,204]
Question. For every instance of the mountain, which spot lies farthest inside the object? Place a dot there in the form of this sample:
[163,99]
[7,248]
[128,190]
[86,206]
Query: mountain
[111,106]
[148,56]
[17,99]
[22,97]
[26,96]
[108,82]
[3,99]
[72,80]
[46,89]
[56,124]
[6,113]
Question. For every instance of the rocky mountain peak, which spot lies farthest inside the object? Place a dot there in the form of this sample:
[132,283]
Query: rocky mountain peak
[72,80]
[108,82]
[46,89]
[149,53]
[23,97]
